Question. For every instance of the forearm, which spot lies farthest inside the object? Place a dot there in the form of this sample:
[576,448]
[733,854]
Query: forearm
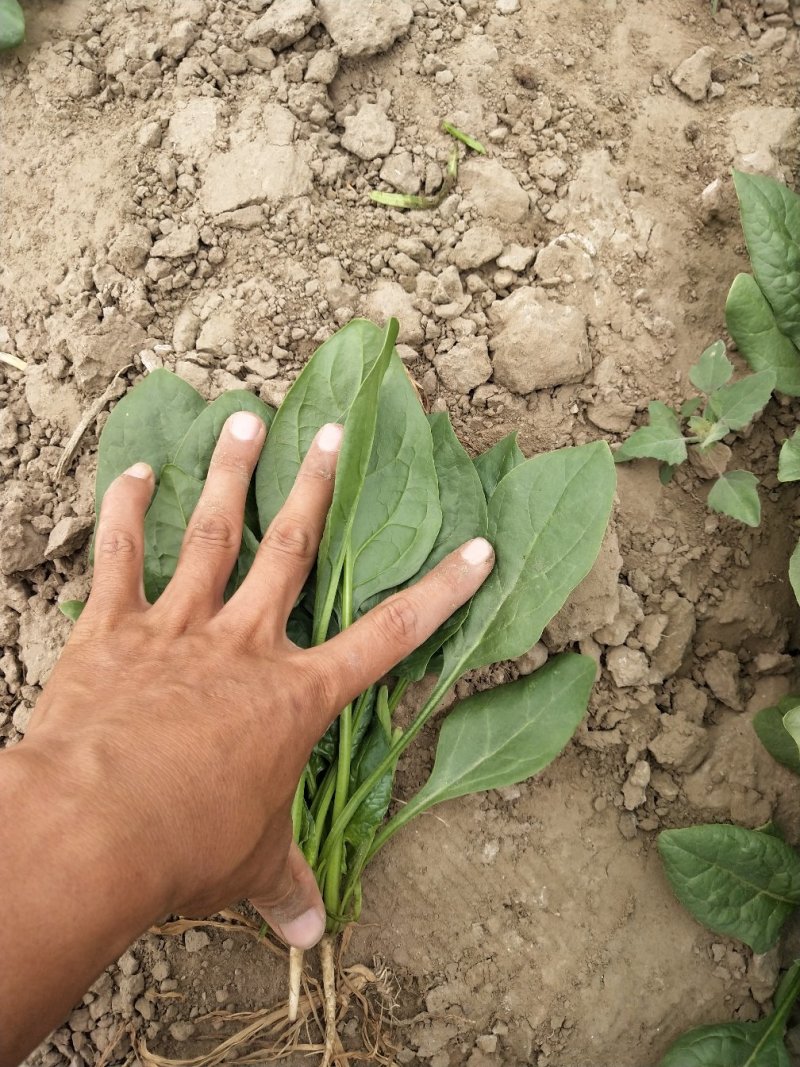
[74,895]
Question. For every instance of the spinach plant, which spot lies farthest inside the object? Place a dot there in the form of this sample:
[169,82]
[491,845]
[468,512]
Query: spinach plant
[12,24]
[406,494]
[723,408]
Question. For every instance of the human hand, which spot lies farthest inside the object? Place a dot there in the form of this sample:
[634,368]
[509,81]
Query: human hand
[190,721]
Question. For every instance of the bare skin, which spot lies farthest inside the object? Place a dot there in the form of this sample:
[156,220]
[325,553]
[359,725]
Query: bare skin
[158,771]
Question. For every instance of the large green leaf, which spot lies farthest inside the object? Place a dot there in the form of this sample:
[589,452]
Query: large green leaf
[494,464]
[736,405]
[662,439]
[789,459]
[735,493]
[193,454]
[771,223]
[735,881]
[773,735]
[147,425]
[398,514]
[751,323]
[351,473]
[712,370]
[463,506]
[547,519]
[165,525]
[12,24]
[323,392]
[757,1044]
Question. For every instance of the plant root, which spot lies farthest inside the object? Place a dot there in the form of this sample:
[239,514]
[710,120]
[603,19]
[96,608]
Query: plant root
[295,979]
[329,994]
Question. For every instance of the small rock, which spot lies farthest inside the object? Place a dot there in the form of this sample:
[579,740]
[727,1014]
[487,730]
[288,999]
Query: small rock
[689,700]
[335,285]
[390,300]
[128,964]
[680,744]
[160,971]
[130,248]
[493,191]
[182,36]
[629,616]
[722,675]
[185,330]
[539,345]
[182,1030]
[677,636]
[664,785]
[149,135]
[67,536]
[711,199]
[692,77]
[516,257]
[628,666]
[285,23]
[710,462]
[218,334]
[479,245]
[634,790]
[532,660]
[182,241]
[368,133]
[365,29]
[322,67]
[195,940]
[507,7]
[398,171]
[465,366]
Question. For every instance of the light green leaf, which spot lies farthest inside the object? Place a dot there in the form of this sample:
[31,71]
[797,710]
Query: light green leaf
[794,572]
[712,370]
[734,881]
[759,1044]
[193,454]
[398,514]
[736,405]
[662,439]
[691,406]
[547,519]
[717,431]
[791,724]
[735,493]
[12,24]
[72,609]
[789,459]
[351,472]
[494,464]
[774,736]
[771,223]
[323,392]
[752,325]
[463,506]
[147,425]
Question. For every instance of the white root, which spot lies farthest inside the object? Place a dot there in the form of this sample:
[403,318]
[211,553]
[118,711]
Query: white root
[329,999]
[295,978]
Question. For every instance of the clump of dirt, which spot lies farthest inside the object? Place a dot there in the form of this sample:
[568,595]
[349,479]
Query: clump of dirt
[186,185]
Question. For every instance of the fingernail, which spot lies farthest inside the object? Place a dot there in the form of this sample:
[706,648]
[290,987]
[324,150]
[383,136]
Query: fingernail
[304,931]
[139,470]
[329,438]
[477,551]
[245,426]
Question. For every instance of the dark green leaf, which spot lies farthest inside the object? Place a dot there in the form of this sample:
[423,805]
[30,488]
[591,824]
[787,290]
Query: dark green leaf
[371,812]
[736,405]
[323,392]
[735,881]
[547,519]
[12,24]
[463,517]
[789,459]
[662,439]
[666,472]
[736,494]
[752,325]
[771,223]
[164,527]
[712,370]
[193,454]
[507,734]
[72,608]
[773,735]
[398,515]
[691,406]
[147,425]
[494,464]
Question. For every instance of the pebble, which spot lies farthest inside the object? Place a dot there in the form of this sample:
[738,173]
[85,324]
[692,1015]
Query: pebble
[365,29]
[182,1030]
[692,77]
[465,366]
[369,133]
[195,940]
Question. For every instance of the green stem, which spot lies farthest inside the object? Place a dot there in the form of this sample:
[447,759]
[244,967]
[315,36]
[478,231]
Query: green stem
[297,805]
[398,693]
[341,821]
[333,888]
[790,992]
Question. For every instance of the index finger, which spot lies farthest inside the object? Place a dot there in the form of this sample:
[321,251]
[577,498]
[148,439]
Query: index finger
[365,651]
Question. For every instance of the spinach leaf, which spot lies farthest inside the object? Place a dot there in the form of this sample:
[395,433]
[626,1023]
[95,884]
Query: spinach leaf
[372,810]
[736,405]
[771,223]
[398,515]
[547,519]
[193,454]
[662,439]
[73,609]
[712,370]
[751,323]
[147,425]
[789,459]
[735,493]
[323,392]
[791,724]
[773,735]
[494,464]
[165,525]
[12,24]
[464,516]
[735,881]
[794,572]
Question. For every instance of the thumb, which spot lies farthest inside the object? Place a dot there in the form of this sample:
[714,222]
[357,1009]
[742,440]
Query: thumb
[292,905]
